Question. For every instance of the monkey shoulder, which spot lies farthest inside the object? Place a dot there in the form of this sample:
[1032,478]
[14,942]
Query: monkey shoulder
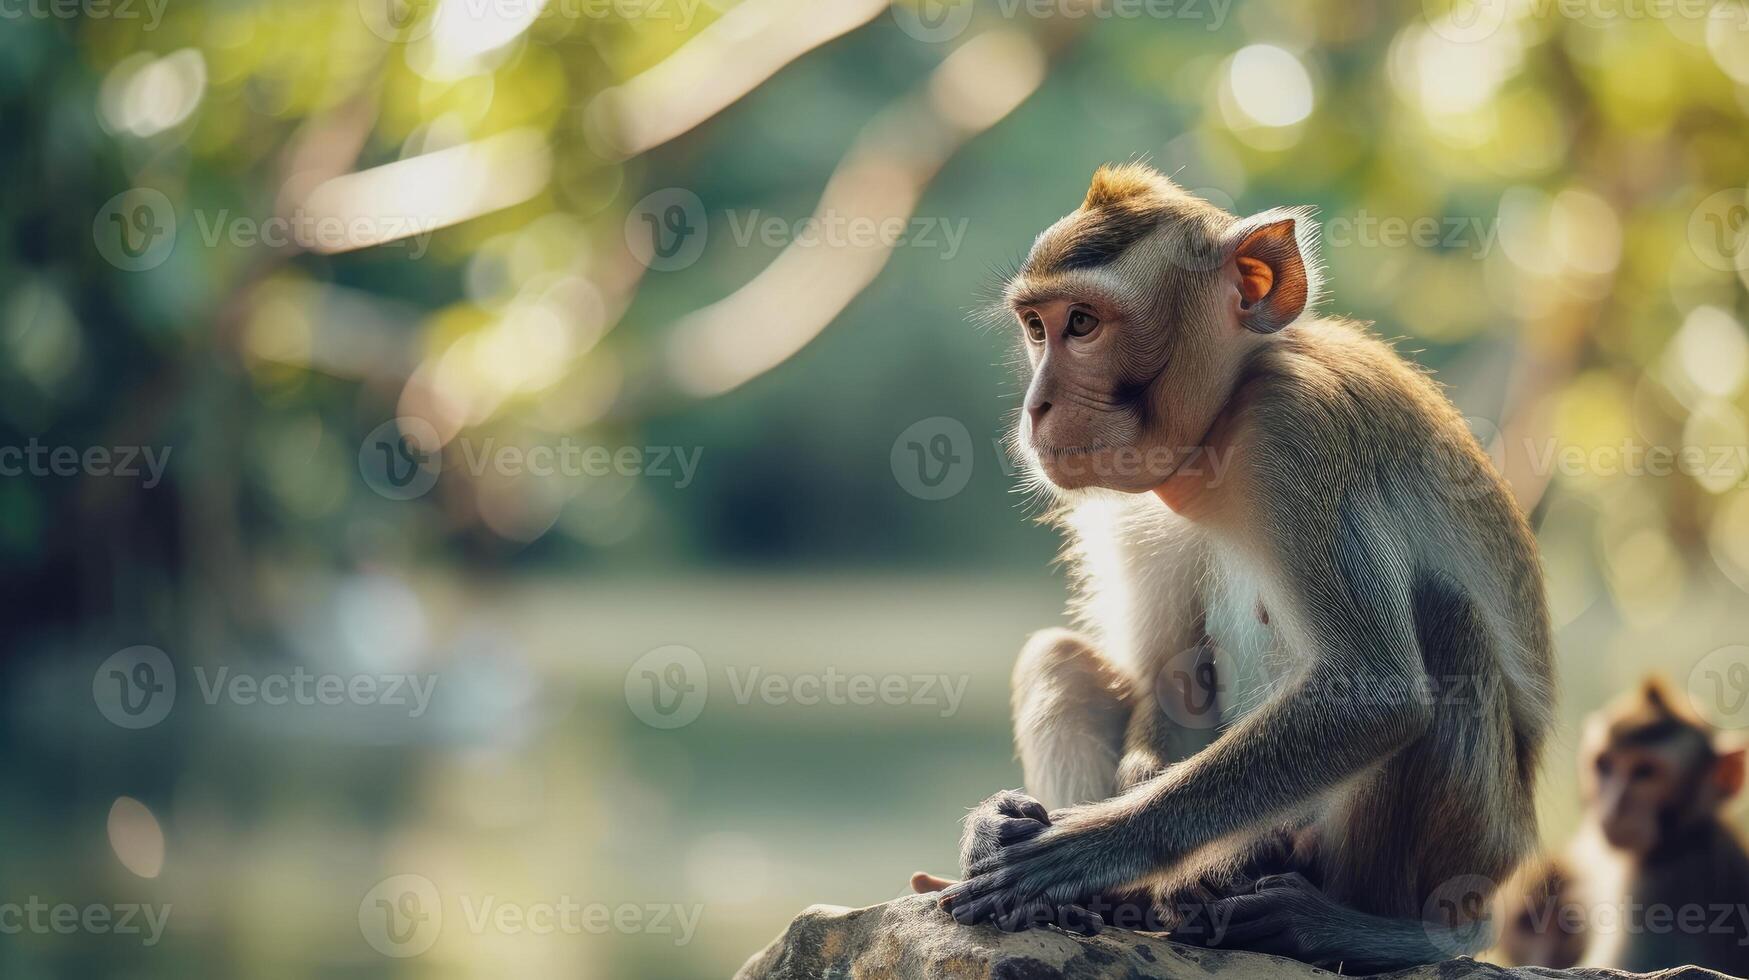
[1329,403]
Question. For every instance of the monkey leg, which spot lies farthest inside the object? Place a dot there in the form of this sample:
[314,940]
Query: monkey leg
[1071,706]
[1286,915]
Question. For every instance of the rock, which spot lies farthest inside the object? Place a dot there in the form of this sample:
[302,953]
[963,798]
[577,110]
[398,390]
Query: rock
[911,939]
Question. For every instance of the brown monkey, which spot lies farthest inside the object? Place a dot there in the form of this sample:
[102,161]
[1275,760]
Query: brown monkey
[1304,711]
[1656,878]
[1541,921]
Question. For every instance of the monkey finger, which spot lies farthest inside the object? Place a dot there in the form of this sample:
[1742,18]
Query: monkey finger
[1017,829]
[1248,934]
[1031,809]
[969,912]
[957,893]
[985,908]
[1075,918]
[924,883]
[1025,916]
[1193,926]
[1229,915]
[1288,880]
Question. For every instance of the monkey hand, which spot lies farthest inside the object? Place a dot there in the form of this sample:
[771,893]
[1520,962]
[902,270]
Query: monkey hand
[1037,875]
[1285,915]
[1009,817]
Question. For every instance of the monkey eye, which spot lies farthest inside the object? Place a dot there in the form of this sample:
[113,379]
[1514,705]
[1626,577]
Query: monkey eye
[1081,323]
[1641,772]
[1035,328]
[1603,765]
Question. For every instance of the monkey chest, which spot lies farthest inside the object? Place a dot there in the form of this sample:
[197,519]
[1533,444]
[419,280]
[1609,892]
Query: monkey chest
[1248,657]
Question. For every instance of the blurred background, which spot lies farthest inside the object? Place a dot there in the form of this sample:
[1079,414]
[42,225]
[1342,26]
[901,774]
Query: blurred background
[510,487]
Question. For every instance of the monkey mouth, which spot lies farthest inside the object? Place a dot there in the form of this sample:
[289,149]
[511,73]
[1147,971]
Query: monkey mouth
[1096,447]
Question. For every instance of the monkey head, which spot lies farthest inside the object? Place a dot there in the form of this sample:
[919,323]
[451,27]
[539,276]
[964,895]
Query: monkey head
[1137,312]
[1652,769]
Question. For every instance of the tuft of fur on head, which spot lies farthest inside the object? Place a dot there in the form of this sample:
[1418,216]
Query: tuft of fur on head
[1116,183]
[1655,712]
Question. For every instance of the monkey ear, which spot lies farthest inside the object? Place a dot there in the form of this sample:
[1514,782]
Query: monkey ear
[1727,774]
[1278,276]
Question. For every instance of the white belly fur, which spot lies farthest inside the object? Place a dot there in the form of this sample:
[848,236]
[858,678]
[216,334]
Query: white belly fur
[1148,574]
[1248,657]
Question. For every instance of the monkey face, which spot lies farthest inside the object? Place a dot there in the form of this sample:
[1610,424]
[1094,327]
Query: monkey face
[1653,769]
[1632,788]
[1137,312]
[1088,418]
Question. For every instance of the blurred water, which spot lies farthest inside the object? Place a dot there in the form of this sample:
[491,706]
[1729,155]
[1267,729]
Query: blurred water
[843,724]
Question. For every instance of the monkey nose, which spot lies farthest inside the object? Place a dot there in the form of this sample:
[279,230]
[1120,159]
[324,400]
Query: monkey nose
[1036,409]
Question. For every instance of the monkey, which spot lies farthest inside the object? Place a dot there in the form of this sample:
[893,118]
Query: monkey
[1304,705]
[1656,877]
[1540,916]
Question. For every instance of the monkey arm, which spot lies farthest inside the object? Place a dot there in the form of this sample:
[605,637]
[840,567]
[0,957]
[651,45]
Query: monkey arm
[1362,694]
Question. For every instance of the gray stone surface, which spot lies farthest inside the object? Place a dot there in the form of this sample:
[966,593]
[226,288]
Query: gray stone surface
[911,939]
